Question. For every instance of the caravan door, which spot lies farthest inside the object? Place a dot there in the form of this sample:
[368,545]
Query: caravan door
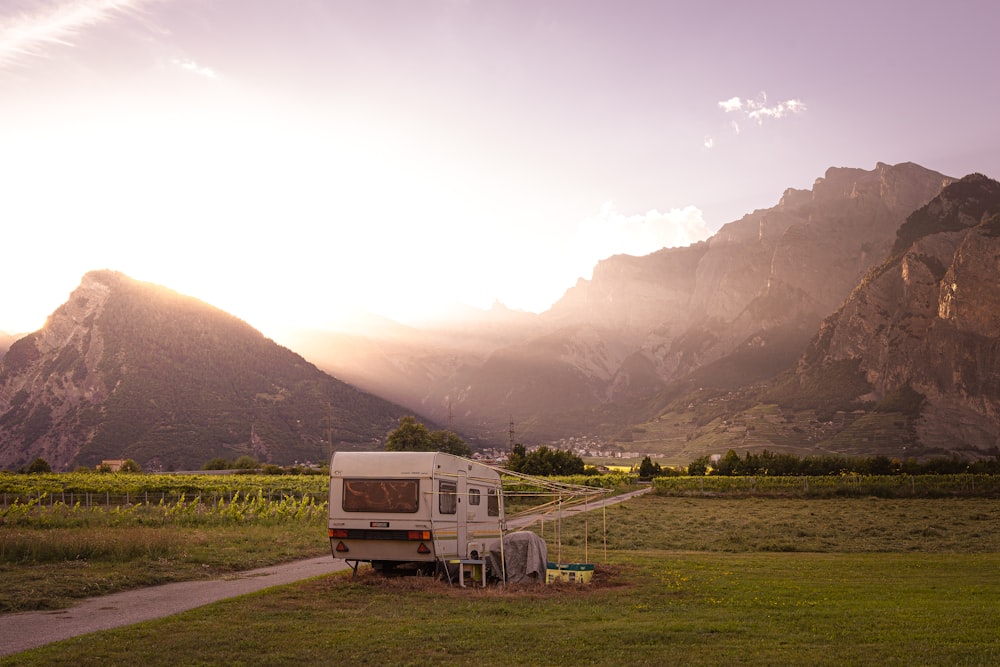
[461,520]
[451,512]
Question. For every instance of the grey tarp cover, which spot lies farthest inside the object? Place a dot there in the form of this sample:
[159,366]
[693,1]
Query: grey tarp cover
[524,554]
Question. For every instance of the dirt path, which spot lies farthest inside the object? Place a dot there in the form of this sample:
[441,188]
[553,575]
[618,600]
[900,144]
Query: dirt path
[20,632]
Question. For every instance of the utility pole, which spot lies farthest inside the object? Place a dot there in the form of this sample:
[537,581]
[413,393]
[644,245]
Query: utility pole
[329,433]
[510,433]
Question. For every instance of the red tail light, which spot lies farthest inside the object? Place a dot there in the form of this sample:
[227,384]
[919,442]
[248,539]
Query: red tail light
[339,533]
[418,535]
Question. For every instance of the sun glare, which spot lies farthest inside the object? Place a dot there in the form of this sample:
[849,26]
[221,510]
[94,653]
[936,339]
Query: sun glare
[280,215]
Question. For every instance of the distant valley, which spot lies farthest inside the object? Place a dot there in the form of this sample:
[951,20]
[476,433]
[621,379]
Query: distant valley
[859,317]
[696,350]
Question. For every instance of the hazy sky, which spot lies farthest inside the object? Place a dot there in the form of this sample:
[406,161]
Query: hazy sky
[286,160]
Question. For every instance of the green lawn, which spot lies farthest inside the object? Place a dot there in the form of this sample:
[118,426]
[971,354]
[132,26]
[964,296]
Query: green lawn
[688,581]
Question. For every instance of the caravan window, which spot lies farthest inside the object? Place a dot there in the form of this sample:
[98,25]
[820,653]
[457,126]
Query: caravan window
[447,497]
[492,503]
[474,496]
[381,495]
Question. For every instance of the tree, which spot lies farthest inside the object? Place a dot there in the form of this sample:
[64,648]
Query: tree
[648,469]
[729,465]
[129,465]
[698,467]
[409,436]
[39,465]
[544,462]
[450,443]
[216,463]
[515,460]
[246,462]
[412,436]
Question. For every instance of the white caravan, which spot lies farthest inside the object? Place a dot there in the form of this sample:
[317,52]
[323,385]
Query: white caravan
[389,508]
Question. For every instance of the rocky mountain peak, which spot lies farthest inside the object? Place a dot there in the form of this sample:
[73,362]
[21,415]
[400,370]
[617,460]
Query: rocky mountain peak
[126,369]
[840,182]
[928,319]
[963,204]
[71,320]
[793,199]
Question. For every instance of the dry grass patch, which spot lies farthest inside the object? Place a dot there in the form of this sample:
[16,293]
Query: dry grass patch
[606,576]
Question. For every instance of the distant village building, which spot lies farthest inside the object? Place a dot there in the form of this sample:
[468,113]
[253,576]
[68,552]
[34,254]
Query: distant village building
[114,465]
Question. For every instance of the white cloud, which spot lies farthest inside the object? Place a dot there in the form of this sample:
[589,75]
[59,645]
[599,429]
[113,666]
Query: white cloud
[195,68]
[795,106]
[758,109]
[732,104]
[779,110]
[26,33]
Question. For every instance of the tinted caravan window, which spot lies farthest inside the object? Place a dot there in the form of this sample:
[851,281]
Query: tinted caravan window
[381,495]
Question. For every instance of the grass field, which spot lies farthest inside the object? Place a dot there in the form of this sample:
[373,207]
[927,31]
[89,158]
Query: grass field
[52,555]
[693,581]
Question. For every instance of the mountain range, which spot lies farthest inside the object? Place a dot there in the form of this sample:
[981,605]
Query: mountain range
[126,369]
[714,325]
[857,317]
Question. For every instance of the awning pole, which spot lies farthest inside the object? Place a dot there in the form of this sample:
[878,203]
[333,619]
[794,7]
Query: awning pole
[605,512]
[559,532]
[503,521]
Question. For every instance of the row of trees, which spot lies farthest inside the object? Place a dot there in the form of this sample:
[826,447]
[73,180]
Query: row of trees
[412,436]
[544,461]
[40,465]
[769,463]
[245,462]
[248,464]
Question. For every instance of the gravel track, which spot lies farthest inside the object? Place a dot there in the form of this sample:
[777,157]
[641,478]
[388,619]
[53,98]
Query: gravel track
[20,632]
